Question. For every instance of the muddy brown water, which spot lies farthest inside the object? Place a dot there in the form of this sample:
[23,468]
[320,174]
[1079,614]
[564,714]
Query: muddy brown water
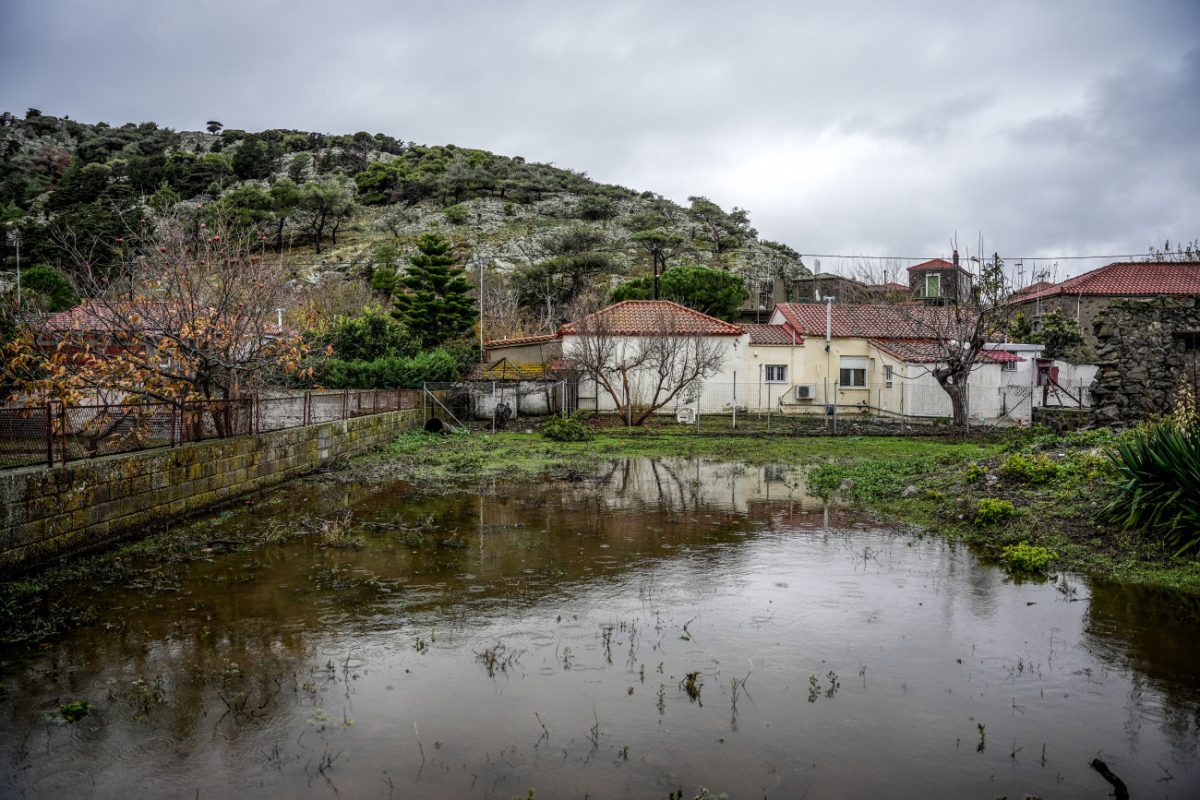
[670,624]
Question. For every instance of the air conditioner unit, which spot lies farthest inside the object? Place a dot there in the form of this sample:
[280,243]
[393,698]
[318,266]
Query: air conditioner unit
[806,391]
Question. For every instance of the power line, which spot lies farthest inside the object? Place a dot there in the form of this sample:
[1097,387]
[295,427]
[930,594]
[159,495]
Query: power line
[1010,258]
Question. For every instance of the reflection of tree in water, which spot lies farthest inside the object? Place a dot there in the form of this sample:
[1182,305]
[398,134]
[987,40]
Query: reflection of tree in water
[1152,634]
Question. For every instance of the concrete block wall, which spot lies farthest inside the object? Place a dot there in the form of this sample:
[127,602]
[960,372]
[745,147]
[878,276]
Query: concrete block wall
[45,512]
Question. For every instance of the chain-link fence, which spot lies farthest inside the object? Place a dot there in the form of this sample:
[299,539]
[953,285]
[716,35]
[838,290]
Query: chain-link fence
[836,408]
[495,404]
[55,433]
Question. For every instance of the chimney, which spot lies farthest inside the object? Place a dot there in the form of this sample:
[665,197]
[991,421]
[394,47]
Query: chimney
[956,258]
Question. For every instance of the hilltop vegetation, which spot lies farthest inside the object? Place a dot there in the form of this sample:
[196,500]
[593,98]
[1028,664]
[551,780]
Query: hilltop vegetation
[345,212]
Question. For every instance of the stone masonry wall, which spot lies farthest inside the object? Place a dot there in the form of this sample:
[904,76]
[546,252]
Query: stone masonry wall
[1145,349]
[45,512]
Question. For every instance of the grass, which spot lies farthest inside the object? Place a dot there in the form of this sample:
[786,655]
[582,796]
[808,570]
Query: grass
[1056,485]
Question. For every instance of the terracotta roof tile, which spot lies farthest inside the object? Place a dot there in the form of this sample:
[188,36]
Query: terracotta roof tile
[651,317]
[879,320]
[925,351]
[936,263]
[516,341]
[1125,278]
[773,335]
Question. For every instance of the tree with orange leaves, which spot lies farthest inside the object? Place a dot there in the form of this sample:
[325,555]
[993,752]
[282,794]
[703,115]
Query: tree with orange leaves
[192,312]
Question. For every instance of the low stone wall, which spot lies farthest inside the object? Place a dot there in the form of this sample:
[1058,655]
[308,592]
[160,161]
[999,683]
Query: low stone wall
[46,512]
[1146,349]
[1061,420]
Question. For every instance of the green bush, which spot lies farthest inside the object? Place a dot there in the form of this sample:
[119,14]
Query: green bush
[457,215]
[372,335]
[1158,482]
[388,372]
[992,510]
[973,472]
[1029,469]
[1026,557]
[567,429]
[46,286]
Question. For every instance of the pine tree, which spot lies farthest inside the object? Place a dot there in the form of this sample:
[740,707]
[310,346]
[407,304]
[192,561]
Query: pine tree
[433,303]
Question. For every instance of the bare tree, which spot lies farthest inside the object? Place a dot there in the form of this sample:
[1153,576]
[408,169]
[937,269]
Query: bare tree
[644,373]
[192,313]
[956,334]
[877,274]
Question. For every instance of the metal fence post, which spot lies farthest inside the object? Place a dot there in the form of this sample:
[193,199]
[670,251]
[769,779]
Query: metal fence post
[735,400]
[49,436]
[62,421]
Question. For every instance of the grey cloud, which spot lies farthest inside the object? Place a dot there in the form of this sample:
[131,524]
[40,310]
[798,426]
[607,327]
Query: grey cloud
[852,127]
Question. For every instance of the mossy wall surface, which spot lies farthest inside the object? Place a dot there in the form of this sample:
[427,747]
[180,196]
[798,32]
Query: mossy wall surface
[46,512]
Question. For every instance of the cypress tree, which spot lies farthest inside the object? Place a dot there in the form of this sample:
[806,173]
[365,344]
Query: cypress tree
[433,303]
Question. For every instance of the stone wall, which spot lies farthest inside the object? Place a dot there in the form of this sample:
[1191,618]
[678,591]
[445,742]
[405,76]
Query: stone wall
[45,512]
[1145,349]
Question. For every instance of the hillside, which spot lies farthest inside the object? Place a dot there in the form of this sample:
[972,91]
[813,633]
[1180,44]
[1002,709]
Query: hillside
[344,210]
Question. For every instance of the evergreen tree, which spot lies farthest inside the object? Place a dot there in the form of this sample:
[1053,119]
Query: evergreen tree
[434,304]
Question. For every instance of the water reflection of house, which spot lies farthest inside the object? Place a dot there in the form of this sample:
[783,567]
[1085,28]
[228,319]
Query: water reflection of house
[690,484]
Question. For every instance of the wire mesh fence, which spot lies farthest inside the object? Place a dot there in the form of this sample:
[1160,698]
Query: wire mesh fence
[55,433]
[497,403]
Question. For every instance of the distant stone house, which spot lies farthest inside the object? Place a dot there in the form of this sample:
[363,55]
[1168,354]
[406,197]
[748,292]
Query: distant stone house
[1083,297]
[940,281]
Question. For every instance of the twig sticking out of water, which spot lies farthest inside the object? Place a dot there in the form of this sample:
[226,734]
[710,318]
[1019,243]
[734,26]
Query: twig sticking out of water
[1119,790]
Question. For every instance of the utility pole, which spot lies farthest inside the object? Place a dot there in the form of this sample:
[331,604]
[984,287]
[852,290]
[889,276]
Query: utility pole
[14,238]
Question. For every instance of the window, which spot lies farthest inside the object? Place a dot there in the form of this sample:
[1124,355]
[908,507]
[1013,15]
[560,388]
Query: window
[1008,366]
[933,285]
[776,373]
[887,375]
[853,374]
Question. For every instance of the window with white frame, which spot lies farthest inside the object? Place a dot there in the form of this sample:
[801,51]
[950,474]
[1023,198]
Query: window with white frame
[1008,366]
[775,373]
[933,285]
[887,375]
[853,372]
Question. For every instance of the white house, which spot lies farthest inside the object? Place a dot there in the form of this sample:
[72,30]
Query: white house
[638,352]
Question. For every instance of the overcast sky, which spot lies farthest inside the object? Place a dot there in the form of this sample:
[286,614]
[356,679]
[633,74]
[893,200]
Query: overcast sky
[852,127]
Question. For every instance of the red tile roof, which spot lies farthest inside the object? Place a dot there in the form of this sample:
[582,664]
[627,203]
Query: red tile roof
[773,335]
[925,351]
[936,263]
[653,317]
[1125,279]
[517,341]
[871,321]
[1032,290]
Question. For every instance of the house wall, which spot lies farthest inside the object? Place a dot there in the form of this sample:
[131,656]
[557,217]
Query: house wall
[46,512]
[526,354]
[955,283]
[713,398]
[1084,308]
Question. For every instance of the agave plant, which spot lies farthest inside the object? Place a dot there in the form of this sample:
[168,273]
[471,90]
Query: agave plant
[1158,481]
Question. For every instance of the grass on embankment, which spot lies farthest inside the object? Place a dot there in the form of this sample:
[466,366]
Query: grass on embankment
[1038,488]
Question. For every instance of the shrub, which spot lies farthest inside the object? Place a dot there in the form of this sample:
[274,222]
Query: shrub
[510,210]
[1158,481]
[371,335]
[567,429]
[388,372]
[1029,469]
[973,472]
[1026,557]
[992,510]
[49,287]
[457,215]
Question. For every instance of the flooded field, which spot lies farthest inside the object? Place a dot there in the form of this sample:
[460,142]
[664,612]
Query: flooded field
[667,625]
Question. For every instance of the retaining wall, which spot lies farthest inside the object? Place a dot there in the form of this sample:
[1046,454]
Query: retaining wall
[46,512]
